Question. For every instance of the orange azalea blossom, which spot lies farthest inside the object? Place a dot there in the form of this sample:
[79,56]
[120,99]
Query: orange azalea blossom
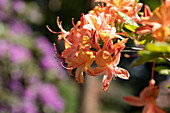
[144,29]
[129,7]
[159,22]
[81,60]
[147,99]
[83,48]
[98,26]
[107,64]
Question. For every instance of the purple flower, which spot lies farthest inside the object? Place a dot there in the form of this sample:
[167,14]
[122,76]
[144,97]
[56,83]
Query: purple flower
[19,6]
[48,62]
[18,27]
[4,3]
[16,86]
[29,107]
[19,54]
[44,45]
[49,95]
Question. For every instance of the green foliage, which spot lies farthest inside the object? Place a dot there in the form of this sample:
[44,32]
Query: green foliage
[130,27]
[127,19]
[153,51]
[164,70]
[145,39]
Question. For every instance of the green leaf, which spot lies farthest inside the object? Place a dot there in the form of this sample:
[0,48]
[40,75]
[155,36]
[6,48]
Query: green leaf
[146,56]
[164,70]
[130,27]
[154,51]
[168,86]
[145,39]
[127,19]
[162,47]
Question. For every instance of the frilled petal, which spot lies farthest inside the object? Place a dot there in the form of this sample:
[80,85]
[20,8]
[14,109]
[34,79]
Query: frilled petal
[135,101]
[122,73]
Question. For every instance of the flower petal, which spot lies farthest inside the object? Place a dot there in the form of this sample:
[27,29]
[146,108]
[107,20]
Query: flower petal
[106,80]
[122,73]
[152,107]
[79,74]
[133,100]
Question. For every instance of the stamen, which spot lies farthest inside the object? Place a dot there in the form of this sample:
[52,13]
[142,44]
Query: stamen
[68,42]
[65,66]
[56,51]
[73,22]
[52,30]
[58,58]
[60,26]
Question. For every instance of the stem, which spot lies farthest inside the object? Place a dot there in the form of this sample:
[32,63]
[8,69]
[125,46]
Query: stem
[167,59]
[153,68]
[132,49]
[135,48]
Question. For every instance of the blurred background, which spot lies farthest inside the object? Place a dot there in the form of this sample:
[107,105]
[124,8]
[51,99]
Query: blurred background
[33,81]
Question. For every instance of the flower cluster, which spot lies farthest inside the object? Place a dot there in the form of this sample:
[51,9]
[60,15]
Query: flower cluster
[98,39]
[94,44]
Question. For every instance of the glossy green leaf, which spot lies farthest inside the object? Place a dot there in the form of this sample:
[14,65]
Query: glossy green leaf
[130,27]
[162,47]
[127,19]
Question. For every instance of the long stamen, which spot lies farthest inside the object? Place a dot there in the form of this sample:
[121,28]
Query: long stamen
[52,30]
[58,58]
[65,66]
[73,22]
[56,51]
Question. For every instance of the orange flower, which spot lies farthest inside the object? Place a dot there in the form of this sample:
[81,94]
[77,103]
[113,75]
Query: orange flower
[159,22]
[147,99]
[129,7]
[107,65]
[81,60]
[144,29]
